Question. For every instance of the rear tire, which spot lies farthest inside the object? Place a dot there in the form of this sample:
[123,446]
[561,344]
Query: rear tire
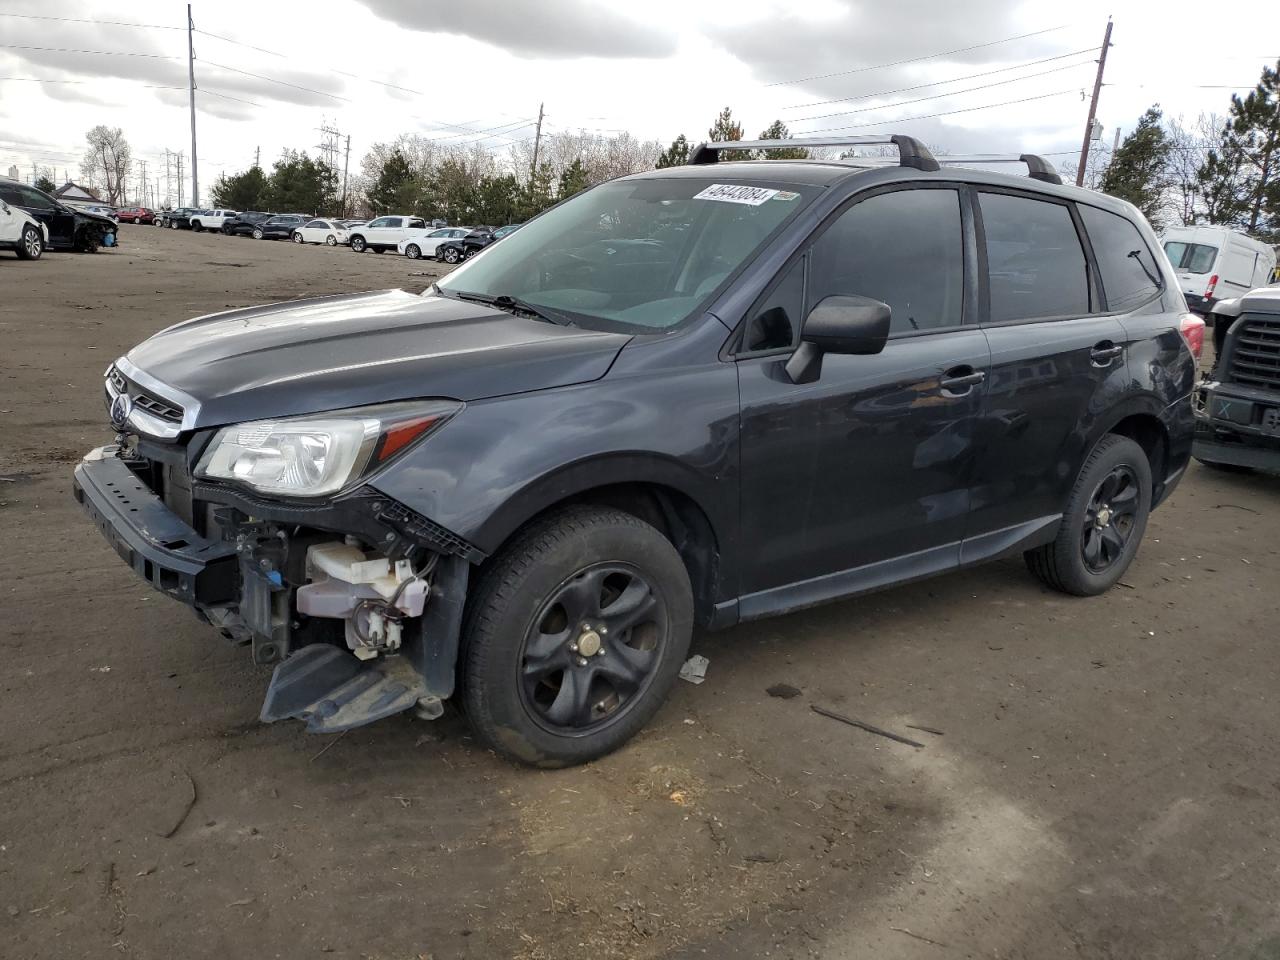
[257,233]
[450,255]
[1103,524]
[331,240]
[535,684]
[31,244]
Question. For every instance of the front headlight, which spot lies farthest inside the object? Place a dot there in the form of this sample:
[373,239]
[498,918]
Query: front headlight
[317,455]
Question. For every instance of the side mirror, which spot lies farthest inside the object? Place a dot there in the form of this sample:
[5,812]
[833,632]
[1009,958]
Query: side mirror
[841,324]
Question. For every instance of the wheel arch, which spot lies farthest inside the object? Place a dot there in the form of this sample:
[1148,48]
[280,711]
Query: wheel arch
[653,490]
[1140,420]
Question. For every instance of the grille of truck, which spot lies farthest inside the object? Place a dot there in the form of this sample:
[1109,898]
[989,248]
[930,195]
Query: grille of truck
[1255,361]
[153,405]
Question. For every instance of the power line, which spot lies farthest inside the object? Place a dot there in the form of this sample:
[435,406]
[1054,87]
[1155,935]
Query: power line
[938,83]
[944,113]
[283,83]
[110,23]
[238,43]
[99,53]
[931,56]
[950,93]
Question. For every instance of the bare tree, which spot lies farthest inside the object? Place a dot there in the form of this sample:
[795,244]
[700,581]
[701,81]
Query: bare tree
[1190,145]
[106,163]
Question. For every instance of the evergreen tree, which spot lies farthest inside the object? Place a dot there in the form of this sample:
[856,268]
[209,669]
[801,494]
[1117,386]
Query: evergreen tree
[726,128]
[241,191]
[676,155]
[1138,169]
[496,200]
[573,179]
[397,188]
[778,131]
[1240,180]
[43,182]
[299,184]
[537,192]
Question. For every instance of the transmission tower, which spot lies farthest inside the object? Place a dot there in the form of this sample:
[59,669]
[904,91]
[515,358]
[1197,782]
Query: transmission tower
[329,145]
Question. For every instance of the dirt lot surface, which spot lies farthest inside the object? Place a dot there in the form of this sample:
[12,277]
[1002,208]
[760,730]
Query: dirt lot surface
[1106,782]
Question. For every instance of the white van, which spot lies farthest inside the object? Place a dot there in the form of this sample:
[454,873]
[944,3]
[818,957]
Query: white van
[1217,263]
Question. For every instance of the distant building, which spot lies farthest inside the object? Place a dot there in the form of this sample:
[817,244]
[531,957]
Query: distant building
[13,173]
[73,191]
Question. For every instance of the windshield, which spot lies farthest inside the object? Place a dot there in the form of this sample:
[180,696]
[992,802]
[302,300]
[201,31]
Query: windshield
[633,254]
[1191,257]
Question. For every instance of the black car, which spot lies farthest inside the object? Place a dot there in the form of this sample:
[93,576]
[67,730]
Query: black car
[69,228]
[279,227]
[179,219]
[476,240]
[694,396]
[244,223]
[1238,404]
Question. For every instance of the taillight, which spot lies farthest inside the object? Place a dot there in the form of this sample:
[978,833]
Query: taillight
[1213,282]
[1192,330]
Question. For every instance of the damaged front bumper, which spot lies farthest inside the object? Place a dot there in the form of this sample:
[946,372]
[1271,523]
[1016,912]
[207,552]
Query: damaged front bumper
[357,633]
[1237,425]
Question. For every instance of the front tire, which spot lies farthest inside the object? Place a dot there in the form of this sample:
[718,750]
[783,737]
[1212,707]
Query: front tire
[297,237]
[31,245]
[574,636]
[1103,524]
[412,251]
[451,255]
[357,244]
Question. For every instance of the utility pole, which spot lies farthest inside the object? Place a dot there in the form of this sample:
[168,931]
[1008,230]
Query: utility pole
[537,142]
[142,201]
[345,164]
[191,93]
[1093,106]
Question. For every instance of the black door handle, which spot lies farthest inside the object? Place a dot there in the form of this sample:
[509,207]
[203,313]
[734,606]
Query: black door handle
[1103,353]
[956,383]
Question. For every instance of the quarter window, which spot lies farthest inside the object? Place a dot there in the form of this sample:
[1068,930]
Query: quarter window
[1130,276]
[1035,264]
[904,248]
[775,323]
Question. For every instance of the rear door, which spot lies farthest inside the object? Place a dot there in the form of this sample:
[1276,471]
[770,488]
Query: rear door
[870,463]
[1057,361]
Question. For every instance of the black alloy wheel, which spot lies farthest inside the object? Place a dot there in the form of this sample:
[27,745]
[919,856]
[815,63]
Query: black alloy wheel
[1109,519]
[592,648]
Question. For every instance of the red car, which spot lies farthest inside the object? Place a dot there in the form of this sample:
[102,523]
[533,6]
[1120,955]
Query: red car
[136,215]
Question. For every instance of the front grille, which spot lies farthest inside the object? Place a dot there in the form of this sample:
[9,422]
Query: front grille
[1255,360]
[162,409]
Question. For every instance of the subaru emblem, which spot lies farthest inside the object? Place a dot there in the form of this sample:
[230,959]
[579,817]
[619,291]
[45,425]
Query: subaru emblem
[121,407]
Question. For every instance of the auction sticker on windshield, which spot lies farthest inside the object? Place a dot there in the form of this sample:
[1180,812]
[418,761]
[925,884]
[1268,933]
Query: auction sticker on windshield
[732,193]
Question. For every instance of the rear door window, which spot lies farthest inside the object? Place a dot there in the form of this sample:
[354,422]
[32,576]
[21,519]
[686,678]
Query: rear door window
[1191,257]
[905,248]
[1130,276]
[1036,266]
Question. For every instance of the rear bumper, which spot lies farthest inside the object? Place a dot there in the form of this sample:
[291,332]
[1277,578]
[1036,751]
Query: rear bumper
[159,546]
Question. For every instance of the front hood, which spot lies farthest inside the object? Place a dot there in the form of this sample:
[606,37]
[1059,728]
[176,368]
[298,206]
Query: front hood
[307,356]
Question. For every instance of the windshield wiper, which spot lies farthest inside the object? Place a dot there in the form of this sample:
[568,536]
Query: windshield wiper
[515,305]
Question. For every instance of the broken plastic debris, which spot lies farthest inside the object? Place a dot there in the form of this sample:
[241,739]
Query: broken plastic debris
[695,668]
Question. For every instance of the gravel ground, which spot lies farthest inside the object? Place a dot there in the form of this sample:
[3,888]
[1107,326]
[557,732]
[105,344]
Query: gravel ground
[1104,784]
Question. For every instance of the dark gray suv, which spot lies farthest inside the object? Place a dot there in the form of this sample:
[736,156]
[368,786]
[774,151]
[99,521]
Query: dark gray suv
[698,395]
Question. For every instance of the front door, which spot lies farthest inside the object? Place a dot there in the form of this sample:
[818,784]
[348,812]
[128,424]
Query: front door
[862,476]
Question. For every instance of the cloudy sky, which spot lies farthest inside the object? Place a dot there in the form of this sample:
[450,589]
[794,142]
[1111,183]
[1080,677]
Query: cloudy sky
[965,75]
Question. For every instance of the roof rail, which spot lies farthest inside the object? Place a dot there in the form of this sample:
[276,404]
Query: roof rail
[1037,166]
[911,151]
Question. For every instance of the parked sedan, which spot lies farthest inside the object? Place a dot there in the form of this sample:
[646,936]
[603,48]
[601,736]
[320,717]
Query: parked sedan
[244,222]
[330,232]
[426,243]
[452,251]
[136,215]
[280,227]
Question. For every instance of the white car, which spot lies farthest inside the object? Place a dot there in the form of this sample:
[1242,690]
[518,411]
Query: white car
[384,233]
[423,243]
[211,219]
[331,232]
[22,233]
